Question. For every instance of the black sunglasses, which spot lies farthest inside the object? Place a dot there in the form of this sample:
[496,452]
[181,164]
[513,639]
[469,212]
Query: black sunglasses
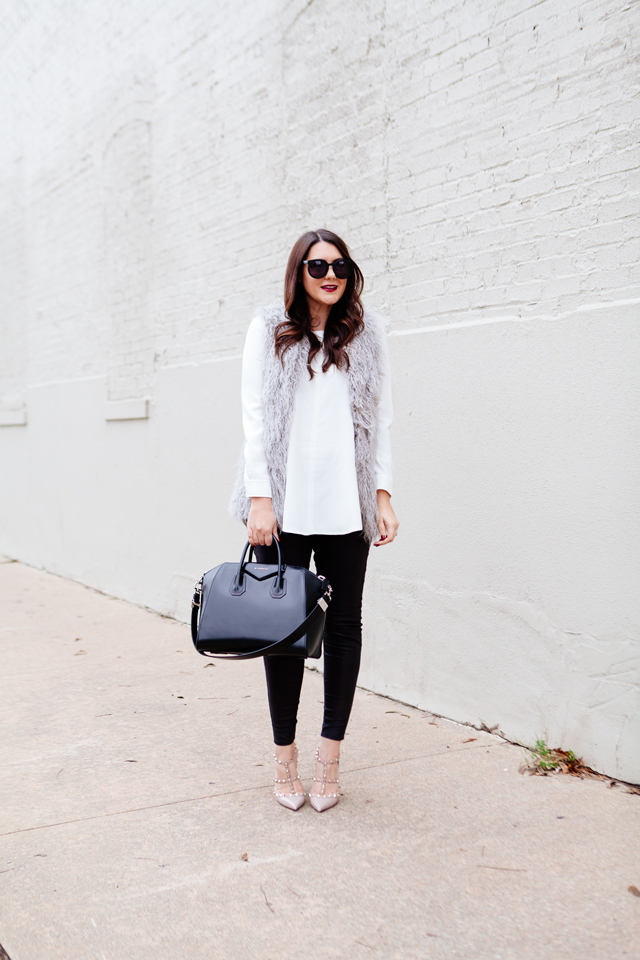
[318,269]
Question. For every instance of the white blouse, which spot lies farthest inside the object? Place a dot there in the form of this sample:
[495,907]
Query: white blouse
[321,496]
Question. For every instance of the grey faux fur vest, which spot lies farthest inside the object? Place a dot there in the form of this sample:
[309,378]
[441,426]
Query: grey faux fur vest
[279,382]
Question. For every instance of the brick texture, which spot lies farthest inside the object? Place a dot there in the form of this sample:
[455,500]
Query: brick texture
[481,158]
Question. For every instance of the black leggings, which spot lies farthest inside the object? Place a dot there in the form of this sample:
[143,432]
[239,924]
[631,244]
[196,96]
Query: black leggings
[343,561]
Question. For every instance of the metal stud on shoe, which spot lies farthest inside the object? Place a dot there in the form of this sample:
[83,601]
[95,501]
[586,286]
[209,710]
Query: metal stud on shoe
[323,801]
[291,800]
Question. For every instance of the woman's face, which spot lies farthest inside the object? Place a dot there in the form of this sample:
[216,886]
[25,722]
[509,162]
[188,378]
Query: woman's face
[329,289]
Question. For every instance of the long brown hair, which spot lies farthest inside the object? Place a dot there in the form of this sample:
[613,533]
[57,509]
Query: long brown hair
[345,320]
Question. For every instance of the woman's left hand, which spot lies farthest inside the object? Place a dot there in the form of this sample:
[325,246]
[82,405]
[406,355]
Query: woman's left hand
[387,521]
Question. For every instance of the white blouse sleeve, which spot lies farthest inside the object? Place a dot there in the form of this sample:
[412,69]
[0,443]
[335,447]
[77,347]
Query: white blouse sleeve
[256,475]
[384,463]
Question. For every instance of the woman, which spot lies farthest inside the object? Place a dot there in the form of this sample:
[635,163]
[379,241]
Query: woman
[316,474]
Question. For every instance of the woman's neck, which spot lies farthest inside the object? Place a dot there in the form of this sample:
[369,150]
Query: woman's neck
[319,314]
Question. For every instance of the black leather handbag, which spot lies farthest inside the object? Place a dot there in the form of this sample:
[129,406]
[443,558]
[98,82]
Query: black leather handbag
[246,610]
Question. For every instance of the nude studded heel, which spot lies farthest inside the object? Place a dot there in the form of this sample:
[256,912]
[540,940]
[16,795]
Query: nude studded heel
[324,800]
[290,800]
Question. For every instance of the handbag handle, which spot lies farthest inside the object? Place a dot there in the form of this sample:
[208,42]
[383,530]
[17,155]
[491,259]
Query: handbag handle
[249,546]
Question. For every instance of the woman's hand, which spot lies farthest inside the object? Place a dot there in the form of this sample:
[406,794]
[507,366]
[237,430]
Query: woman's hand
[262,525]
[387,521]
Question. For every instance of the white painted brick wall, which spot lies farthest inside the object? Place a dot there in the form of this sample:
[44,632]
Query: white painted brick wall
[482,158]
[158,160]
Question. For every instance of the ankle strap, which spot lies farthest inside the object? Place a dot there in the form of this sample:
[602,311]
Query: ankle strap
[294,756]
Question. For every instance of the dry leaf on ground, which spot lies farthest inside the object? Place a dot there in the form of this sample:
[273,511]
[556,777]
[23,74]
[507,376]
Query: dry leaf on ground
[543,761]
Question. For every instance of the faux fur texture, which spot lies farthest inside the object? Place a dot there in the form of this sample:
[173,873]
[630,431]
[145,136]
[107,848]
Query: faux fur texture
[279,382]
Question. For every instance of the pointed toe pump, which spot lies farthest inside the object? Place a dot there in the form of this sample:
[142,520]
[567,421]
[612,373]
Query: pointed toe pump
[290,799]
[322,801]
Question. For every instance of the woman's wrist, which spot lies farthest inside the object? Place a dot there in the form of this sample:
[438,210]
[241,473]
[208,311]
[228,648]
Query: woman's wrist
[387,520]
[261,522]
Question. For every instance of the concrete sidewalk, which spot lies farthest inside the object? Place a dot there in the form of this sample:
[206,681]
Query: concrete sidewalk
[138,823]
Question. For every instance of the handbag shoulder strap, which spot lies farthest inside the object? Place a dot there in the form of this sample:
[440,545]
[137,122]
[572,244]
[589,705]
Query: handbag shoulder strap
[310,621]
